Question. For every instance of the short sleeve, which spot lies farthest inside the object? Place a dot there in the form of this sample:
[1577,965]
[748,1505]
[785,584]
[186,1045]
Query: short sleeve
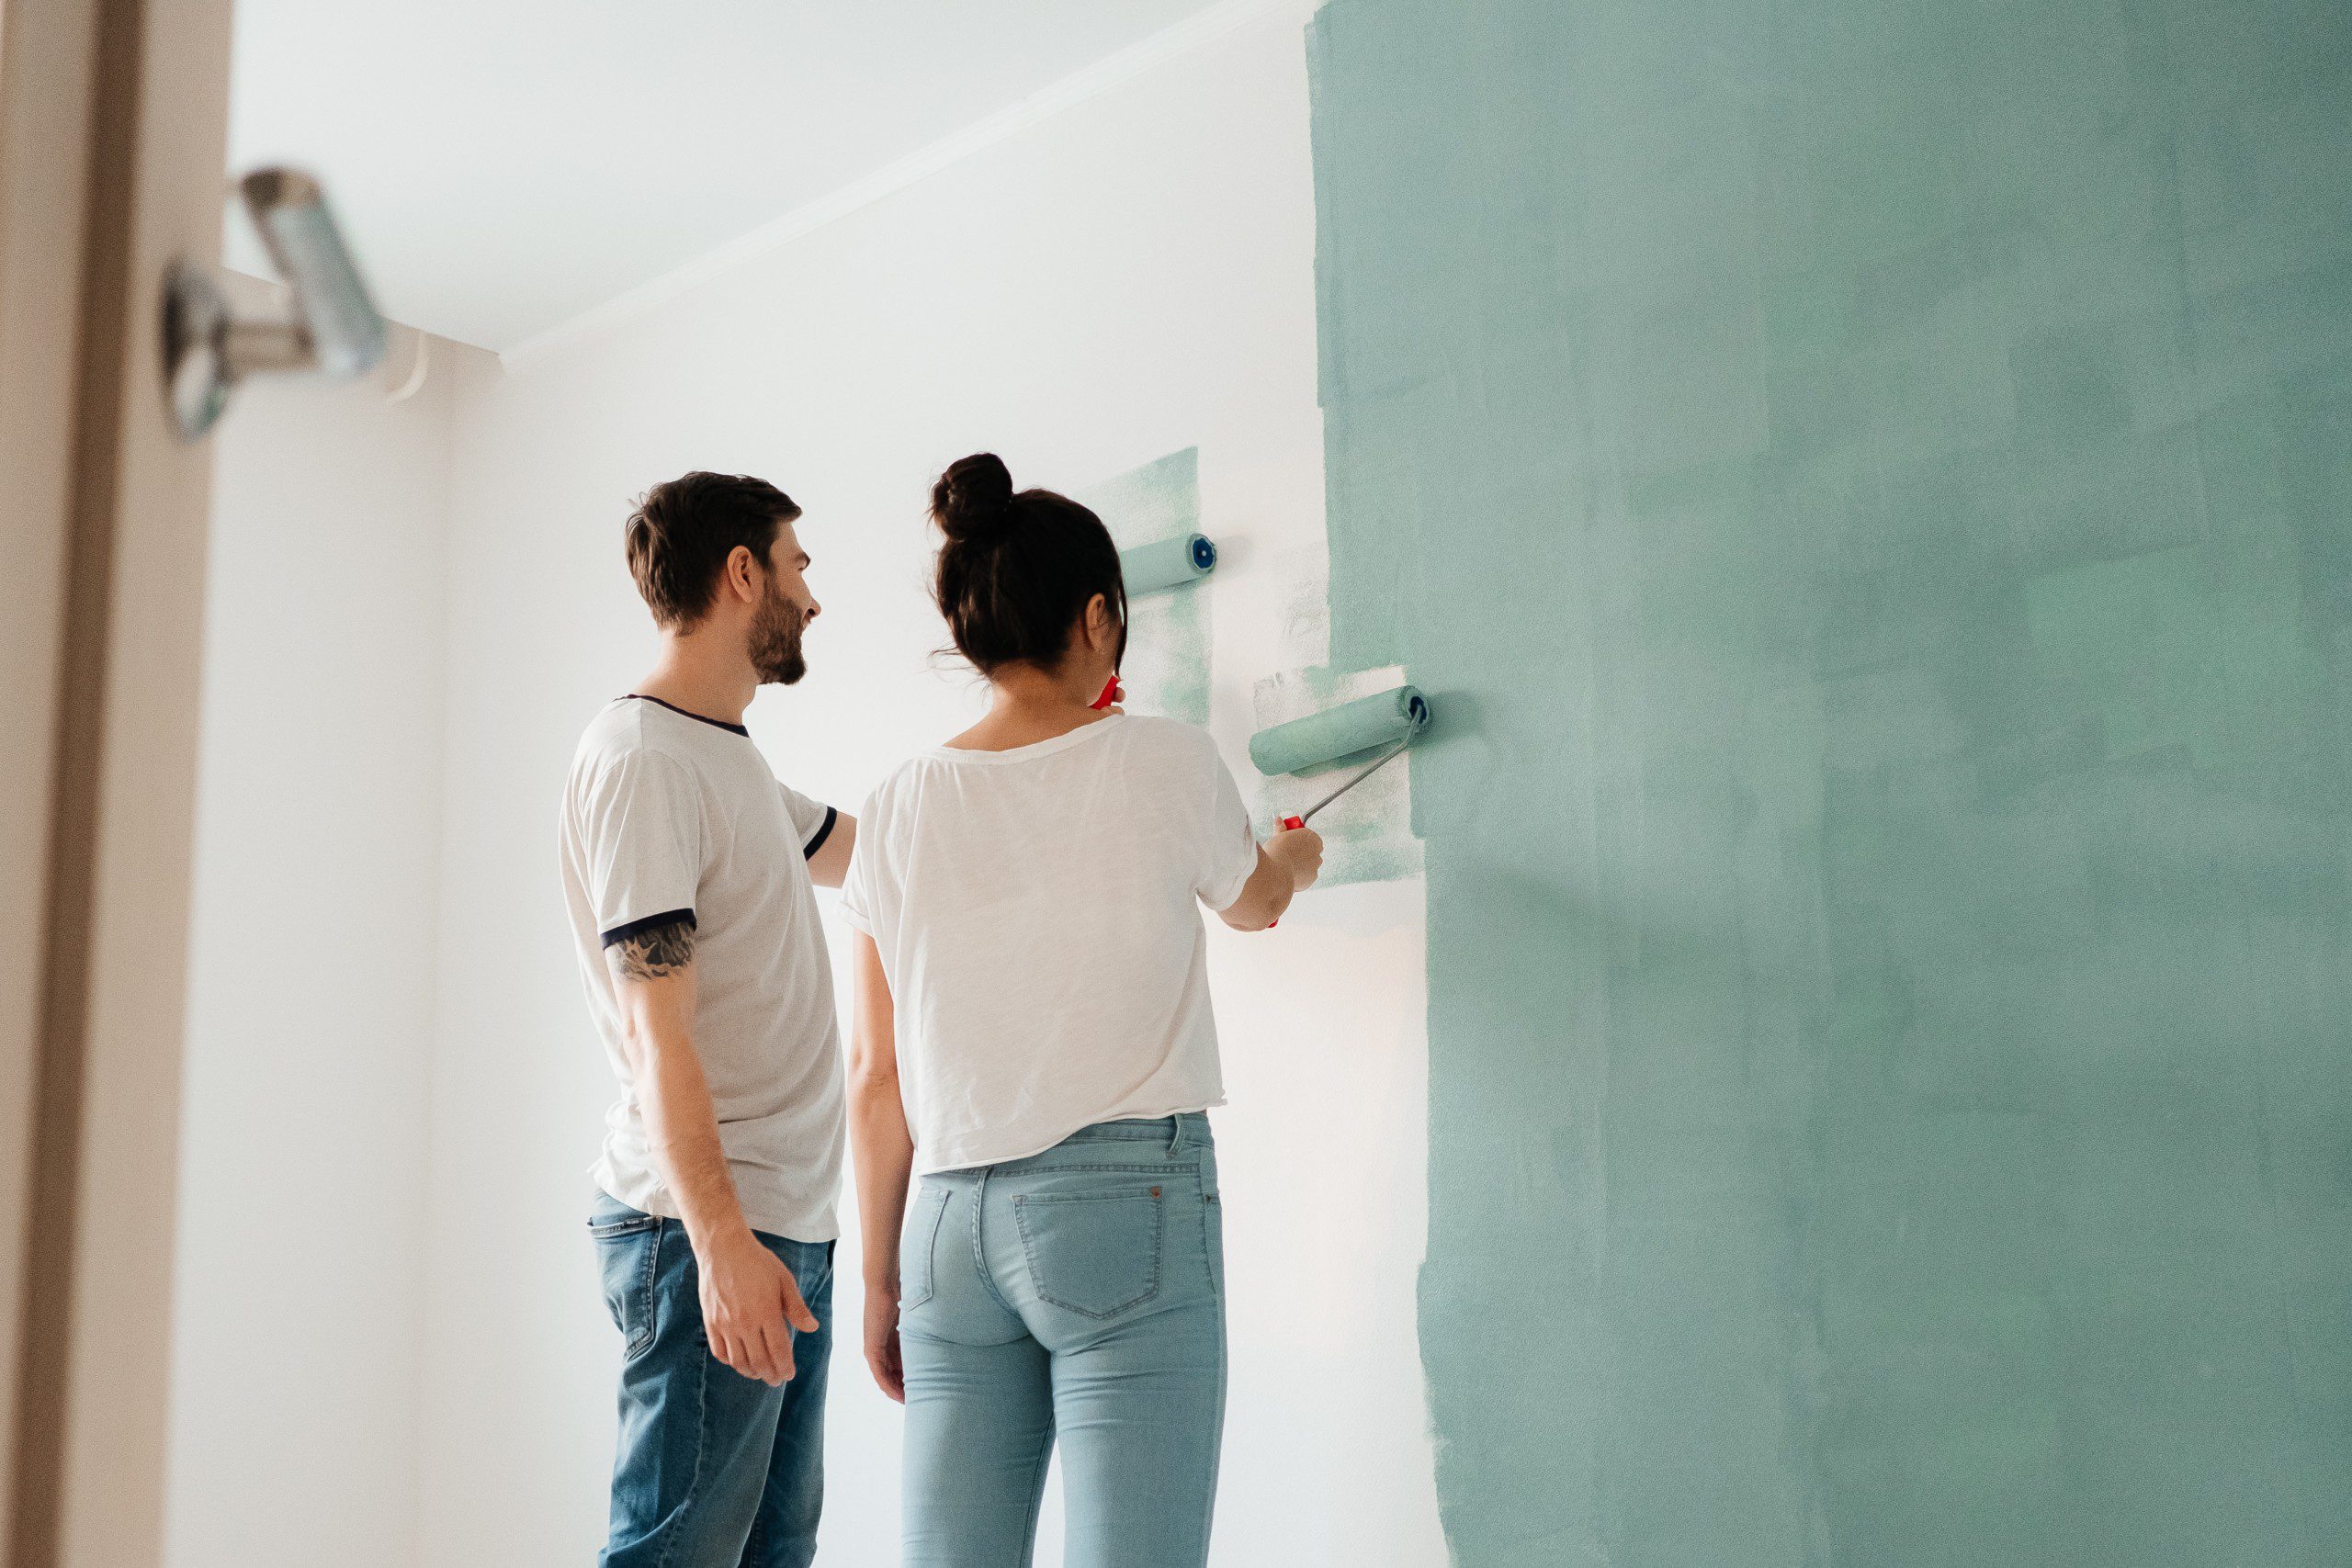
[859,888]
[812,820]
[1228,850]
[643,829]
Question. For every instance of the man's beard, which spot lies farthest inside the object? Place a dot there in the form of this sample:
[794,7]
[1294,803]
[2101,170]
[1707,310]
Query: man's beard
[775,642]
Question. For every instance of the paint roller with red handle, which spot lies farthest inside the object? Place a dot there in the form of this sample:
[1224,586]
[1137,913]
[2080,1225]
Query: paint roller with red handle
[1388,719]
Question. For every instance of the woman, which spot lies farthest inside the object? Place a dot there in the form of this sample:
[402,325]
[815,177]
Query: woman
[1034,1042]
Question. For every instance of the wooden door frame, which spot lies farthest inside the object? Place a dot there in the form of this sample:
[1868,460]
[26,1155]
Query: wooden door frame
[113,118]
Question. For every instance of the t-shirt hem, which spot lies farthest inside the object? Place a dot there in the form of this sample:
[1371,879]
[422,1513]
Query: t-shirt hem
[768,1221]
[816,840]
[923,1167]
[628,929]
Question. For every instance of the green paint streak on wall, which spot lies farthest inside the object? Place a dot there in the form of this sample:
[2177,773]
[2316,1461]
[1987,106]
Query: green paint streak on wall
[1868,486]
[1365,833]
[1167,668]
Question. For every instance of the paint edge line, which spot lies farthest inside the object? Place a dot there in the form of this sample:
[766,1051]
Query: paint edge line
[1078,87]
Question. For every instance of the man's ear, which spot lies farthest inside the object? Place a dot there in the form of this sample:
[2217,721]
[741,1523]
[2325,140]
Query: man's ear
[741,573]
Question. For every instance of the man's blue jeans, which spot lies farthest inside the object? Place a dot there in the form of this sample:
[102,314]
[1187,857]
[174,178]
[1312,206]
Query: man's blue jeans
[714,1469]
[1076,1295]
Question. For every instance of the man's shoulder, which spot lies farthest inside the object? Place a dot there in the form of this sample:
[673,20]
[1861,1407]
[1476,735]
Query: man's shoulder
[618,745]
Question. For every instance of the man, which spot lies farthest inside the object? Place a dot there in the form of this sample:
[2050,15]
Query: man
[687,868]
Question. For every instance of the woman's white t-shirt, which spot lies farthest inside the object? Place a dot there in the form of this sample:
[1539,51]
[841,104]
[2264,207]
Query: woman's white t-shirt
[1038,914]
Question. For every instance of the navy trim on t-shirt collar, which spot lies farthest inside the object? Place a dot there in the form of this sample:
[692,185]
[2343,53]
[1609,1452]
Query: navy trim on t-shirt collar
[714,723]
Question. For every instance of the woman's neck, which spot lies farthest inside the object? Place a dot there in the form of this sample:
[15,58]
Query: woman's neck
[1027,704]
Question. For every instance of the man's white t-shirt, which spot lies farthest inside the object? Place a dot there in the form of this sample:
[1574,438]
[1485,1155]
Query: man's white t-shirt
[1037,912]
[669,815]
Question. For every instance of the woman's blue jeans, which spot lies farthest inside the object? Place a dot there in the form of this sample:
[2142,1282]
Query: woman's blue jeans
[1075,1296]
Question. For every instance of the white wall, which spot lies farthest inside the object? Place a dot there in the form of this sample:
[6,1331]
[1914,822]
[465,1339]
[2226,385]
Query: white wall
[1129,278]
[390,1348]
[300,1249]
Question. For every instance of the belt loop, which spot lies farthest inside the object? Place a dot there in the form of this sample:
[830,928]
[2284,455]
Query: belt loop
[1175,1134]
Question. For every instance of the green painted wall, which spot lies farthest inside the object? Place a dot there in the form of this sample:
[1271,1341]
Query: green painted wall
[1868,486]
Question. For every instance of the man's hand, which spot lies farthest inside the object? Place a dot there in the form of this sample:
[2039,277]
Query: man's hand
[751,1304]
[749,1298]
[882,1339]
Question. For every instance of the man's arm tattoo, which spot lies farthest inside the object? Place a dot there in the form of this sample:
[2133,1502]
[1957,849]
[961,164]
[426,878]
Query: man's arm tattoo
[654,952]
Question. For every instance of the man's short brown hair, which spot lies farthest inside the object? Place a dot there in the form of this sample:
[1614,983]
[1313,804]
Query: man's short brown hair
[682,533]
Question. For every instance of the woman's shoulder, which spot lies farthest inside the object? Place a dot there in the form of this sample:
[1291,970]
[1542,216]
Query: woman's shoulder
[902,778]
[1169,748]
[1161,736]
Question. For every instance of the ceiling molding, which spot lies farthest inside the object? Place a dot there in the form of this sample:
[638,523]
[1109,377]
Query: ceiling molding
[1192,32]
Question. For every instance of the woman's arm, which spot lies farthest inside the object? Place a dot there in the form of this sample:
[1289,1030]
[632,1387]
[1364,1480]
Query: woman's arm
[884,1153]
[1287,863]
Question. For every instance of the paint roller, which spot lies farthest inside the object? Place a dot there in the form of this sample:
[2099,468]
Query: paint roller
[1385,722]
[1167,563]
[1148,569]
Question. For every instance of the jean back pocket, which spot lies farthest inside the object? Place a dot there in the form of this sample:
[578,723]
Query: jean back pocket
[1096,1254]
[917,1268]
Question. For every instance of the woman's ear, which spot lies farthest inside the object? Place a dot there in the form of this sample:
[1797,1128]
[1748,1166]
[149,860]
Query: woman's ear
[1100,628]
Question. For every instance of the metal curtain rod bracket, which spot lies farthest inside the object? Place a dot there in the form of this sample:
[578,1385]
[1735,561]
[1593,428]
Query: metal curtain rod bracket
[335,329]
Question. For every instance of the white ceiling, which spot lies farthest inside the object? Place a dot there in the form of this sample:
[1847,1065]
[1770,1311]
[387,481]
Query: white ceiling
[503,166]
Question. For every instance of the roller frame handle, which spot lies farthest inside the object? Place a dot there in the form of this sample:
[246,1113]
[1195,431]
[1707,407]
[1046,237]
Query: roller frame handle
[1292,824]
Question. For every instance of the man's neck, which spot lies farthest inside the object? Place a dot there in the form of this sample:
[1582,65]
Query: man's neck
[703,678]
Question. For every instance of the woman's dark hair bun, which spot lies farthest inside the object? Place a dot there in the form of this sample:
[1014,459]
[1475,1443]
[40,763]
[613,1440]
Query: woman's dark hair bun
[972,498]
[1018,570]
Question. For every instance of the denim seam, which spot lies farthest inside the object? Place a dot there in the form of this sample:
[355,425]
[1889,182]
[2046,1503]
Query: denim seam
[611,1230]
[1208,1259]
[930,1247]
[643,1340]
[980,1254]
[1037,1489]
[1216,1428]
[1216,1437]
[1036,1278]
[1027,1198]
[702,1439]
[1158,1169]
